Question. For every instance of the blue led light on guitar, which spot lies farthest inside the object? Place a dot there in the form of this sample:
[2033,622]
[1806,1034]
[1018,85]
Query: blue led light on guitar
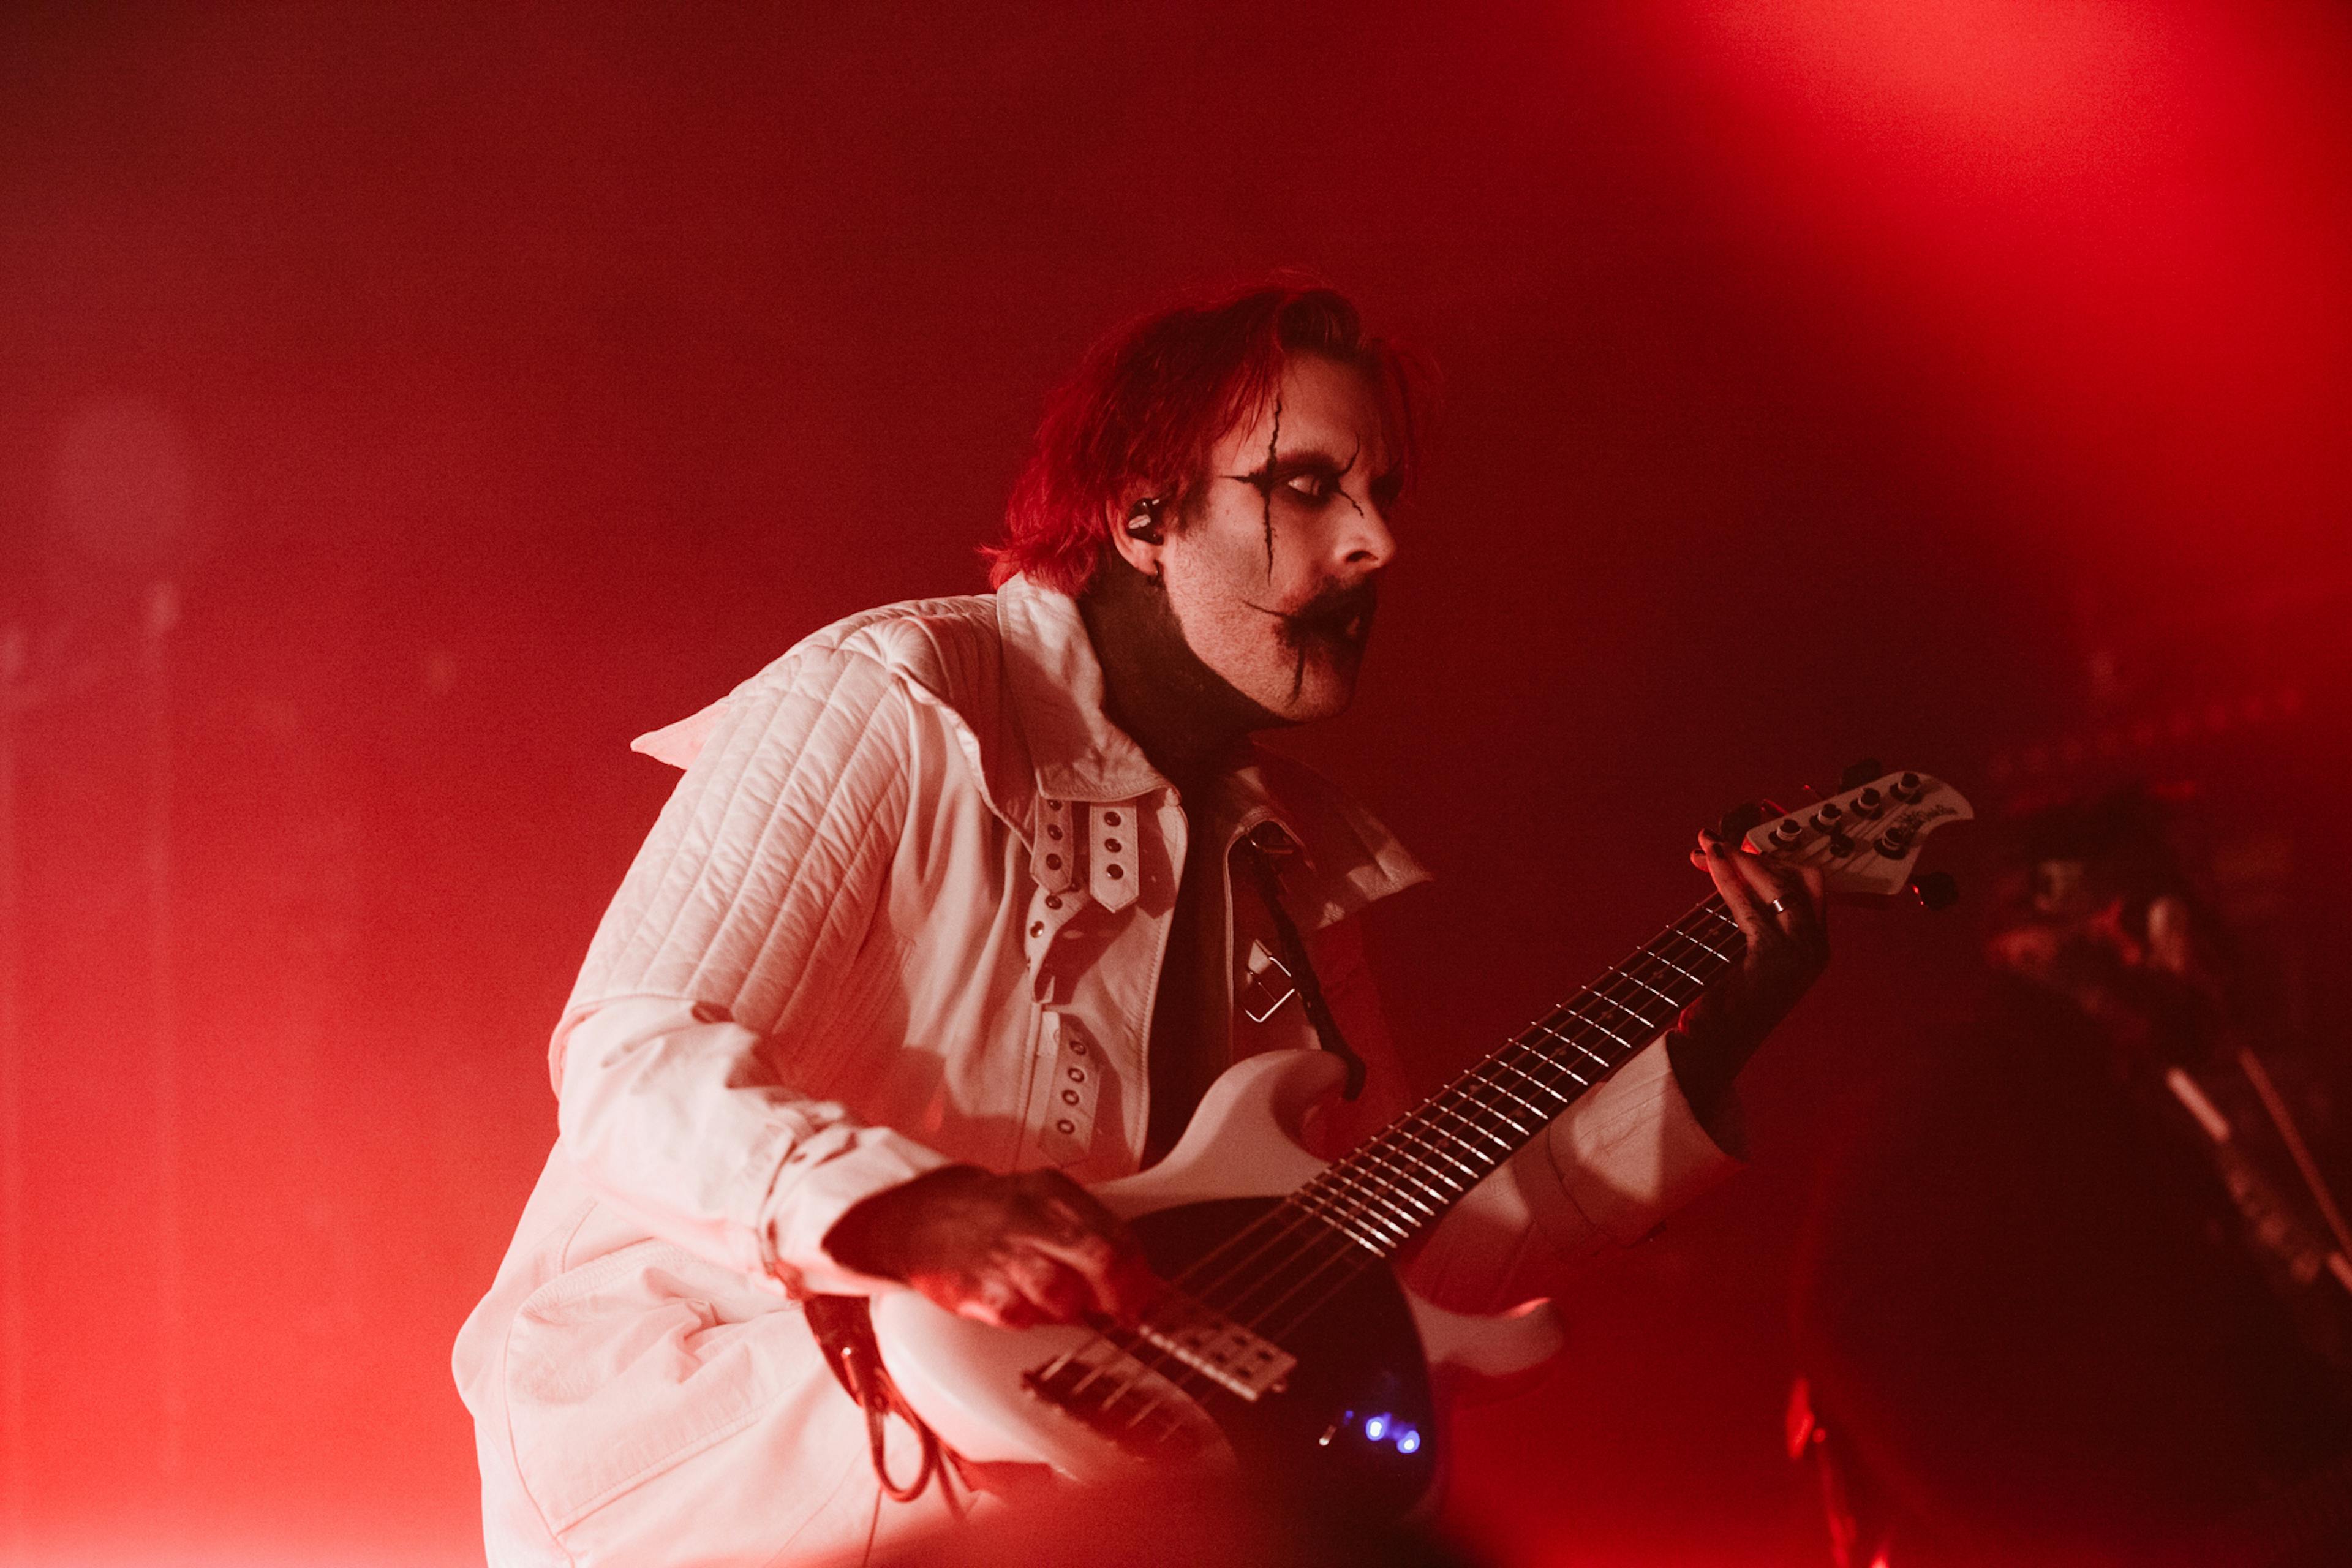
[1385,1427]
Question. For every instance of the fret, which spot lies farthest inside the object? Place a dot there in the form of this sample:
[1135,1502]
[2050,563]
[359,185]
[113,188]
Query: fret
[1374,1172]
[1717,953]
[1438,1107]
[1373,1207]
[1541,1076]
[1383,1237]
[1376,1244]
[1393,1228]
[1653,991]
[1401,1191]
[1430,1203]
[1546,1060]
[1652,1018]
[1398,1148]
[1481,1116]
[1447,1155]
[1582,1082]
[1526,1075]
[1678,968]
[1722,927]
[1647,1023]
[1404,1178]
[1606,1065]
[1329,1229]
[1690,979]
[1714,917]
[1541,1115]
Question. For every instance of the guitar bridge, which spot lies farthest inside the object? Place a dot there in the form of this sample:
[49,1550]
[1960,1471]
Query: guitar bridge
[1102,1386]
[1219,1349]
[1130,1386]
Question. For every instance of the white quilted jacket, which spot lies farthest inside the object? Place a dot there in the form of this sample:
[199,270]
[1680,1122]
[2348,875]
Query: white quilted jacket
[905,906]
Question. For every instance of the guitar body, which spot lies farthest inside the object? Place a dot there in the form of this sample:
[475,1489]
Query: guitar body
[1357,1418]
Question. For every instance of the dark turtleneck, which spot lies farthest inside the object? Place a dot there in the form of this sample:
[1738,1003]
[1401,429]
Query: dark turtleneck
[1187,718]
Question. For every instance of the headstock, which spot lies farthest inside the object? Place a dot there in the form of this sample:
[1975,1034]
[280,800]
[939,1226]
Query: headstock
[1864,838]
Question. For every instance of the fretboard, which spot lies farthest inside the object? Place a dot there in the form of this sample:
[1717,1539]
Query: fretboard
[1399,1181]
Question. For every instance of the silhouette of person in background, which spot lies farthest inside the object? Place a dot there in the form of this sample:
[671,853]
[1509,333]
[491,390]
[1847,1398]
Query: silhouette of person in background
[2078,1290]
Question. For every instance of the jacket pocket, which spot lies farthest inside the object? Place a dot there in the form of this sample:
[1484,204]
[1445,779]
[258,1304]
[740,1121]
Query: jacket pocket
[622,1368]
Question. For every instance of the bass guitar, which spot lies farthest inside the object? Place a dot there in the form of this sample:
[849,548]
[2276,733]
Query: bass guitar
[1288,1344]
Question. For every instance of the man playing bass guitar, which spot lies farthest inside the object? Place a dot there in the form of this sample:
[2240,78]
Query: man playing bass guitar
[960,907]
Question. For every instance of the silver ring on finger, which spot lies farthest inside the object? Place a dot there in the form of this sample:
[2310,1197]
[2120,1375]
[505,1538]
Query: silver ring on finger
[1779,906]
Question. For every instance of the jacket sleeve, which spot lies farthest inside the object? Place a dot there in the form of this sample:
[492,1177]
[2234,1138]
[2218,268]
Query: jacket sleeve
[1604,1172]
[713,970]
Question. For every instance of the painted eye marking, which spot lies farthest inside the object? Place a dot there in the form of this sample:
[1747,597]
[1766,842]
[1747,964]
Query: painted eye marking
[1273,442]
[1316,478]
[1311,479]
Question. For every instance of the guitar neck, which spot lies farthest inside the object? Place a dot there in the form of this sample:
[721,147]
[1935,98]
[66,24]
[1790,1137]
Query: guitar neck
[1401,1181]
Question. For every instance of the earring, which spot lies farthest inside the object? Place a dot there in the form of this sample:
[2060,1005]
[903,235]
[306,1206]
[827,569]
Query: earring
[1143,522]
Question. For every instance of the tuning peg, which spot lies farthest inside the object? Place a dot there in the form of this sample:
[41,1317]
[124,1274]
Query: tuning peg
[1861,773]
[1936,889]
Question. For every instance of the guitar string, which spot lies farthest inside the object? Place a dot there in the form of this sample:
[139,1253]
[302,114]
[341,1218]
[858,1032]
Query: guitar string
[1340,1201]
[1469,1099]
[1365,1191]
[1323,1230]
[1537,1068]
[1353,1258]
[1350,1272]
[1339,1197]
[1351,1197]
[1336,1277]
[1343,1195]
[1293,1215]
[1534,1061]
[1344,1191]
[1460,1099]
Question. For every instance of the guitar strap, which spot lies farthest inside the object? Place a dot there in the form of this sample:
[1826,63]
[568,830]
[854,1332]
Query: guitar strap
[843,1325]
[1258,848]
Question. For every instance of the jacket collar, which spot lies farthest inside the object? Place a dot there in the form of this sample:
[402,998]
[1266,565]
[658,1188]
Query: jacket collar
[1057,685]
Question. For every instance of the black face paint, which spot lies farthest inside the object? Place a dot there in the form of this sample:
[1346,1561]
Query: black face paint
[1327,477]
[1338,618]
[1265,495]
[1185,715]
[1339,612]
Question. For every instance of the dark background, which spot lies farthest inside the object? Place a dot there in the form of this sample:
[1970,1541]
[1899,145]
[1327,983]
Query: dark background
[403,406]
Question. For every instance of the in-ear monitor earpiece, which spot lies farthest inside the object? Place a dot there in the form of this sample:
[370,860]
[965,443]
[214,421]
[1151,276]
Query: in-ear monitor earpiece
[1143,522]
